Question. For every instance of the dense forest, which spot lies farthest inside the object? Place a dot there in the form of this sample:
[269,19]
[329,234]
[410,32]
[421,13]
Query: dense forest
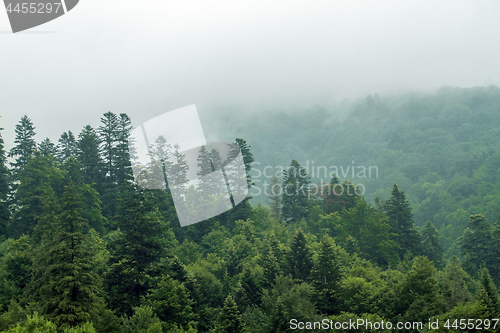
[83,249]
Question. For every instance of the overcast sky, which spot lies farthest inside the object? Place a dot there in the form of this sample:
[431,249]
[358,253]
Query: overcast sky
[147,57]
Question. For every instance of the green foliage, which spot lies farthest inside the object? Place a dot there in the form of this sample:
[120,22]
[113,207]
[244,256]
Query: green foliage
[300,260]
[25,144]
[401,223]
[430,244]
[230,317]
[143,321]
[63,277]
[326,275]
[295,195]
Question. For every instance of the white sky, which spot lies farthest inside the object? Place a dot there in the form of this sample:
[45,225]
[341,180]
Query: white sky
[148,57]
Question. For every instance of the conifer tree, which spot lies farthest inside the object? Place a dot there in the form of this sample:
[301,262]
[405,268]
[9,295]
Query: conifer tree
[64,280]
[295,193]
[300,257]
[47,148]
[25,145]
[136,253]
[274,197]
[40,180]
[107,137]
[430,244]
[489,295]
[231,318]
[247,158]
[88,155]
[4,191]
[67,147]
[476,244]
[454,289]
[123,164]
[326,275]
[401,223]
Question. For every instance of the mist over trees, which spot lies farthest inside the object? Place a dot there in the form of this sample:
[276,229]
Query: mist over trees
[84,249]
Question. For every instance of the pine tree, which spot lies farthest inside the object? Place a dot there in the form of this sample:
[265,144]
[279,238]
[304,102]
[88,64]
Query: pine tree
[295,193]
[300,257]
[401,223]
[4,191]
[326,275]
[25,145]
[230,317]
[88,155]
[430,244]
[64,280]
[67,147]
[47,148]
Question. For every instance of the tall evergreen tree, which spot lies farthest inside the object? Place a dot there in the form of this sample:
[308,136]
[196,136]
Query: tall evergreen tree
[47,148]
[326,275]
[476,244]
[295,193]
[247,158]
[430,244]
[401,223]
[231,318]
[67,147]
[136,253]
[108,133]
[107,137]
[123,164]
[64,280]
[4,190]
[88,155]
[489,295]
[39,180]
[300,257]
[25,145]
[274,197]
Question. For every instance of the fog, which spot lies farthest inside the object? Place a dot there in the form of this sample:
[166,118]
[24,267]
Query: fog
[148,57]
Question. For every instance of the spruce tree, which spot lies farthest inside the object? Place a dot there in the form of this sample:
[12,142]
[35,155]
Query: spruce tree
[248,158]
[274,197]
[4,191]
[326,275]
[39,180]
[489,296]
[123,164]
[67,147]
[401,223]
[430,244]
[64,280]
[295,193]
[300,260]
[47,148]
[136,253]
[231,318]
[88,155]
[25,145]
[476,244]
